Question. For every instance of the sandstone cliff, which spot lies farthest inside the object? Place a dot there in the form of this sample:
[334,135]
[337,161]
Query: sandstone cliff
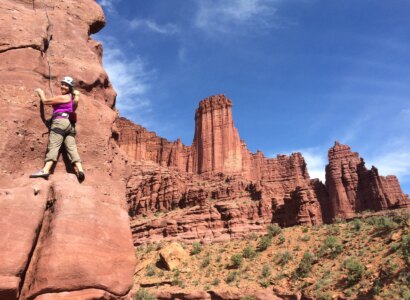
[217,189]
[58,238]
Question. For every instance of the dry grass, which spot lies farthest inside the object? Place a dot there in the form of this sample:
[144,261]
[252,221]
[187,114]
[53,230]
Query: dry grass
[362,259]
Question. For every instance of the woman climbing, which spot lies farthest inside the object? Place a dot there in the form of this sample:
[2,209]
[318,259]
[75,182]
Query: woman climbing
[62,128]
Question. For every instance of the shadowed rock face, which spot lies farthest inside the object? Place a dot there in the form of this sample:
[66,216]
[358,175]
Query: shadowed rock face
[217,189]
[59,239]
[353,188]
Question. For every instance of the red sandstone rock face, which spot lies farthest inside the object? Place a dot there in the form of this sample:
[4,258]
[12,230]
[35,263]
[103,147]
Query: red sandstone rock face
[79,239]
[217,189]
[353,188]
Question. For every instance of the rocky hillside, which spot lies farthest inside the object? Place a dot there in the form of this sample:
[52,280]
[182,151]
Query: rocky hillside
[366,258]
[216,189]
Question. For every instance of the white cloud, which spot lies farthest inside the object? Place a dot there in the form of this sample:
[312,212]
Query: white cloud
[224,16]
[108,5]
[316,161]
[167,29]
[131,80]
[394,160]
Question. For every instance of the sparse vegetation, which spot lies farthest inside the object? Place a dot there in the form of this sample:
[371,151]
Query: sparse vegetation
[354,270]
[283,258]
[305,265]
[265,271]
[206,261]
[143,294]
[196,248]
[231,277]
[273,230]
[344,250]
[249,252]
[236,260]
[405,247]
[331,247]
[264,243]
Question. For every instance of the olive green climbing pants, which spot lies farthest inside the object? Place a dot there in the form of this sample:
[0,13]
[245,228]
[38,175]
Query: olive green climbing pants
[62,131]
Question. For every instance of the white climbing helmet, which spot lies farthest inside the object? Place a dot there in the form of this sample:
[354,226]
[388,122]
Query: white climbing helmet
[68,80]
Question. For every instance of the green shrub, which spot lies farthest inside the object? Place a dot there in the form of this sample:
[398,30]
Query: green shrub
[356,224]
[231,277]
[249,252]
[216,282]
[305,238]
[354,270]
[196,248]
[236,260]
[150,270]
[283,258]
[281,239]
[405,247]
[143,294]
[206,262]
[273,230]
[382,223]
[265,271]
[331,247]
[305,265]
[264,243]
[305,229]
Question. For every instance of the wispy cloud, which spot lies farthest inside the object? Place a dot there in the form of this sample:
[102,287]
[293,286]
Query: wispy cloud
[225,16]
[393,158]
[109,5]
[132,80]
[316,161]
[152,26]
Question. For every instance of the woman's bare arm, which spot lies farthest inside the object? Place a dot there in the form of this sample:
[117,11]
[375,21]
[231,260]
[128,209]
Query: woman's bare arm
[76,99]
[51,101]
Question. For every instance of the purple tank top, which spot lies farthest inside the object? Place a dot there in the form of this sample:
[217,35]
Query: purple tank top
[63,107]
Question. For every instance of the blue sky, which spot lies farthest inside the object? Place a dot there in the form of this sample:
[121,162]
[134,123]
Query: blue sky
[301,73]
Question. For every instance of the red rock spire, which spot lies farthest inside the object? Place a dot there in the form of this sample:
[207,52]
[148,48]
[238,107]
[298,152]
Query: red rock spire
[216,146]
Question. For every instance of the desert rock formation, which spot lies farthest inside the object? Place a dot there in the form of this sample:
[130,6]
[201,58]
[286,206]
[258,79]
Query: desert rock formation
[59,239]
[217,189]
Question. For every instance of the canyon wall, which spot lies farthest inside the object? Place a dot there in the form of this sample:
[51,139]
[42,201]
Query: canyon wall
[59,238]
[217,189]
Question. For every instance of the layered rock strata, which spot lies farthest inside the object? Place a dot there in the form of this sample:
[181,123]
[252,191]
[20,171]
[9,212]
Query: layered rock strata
[217,189]
[59,239]
[353,188]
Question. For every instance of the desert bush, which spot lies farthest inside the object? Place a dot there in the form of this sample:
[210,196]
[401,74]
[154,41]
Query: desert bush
[281,239]
[143,294]
[305,238]
[354,270]
[305,229]
[196,248]
[273,230]
[405,247]
[333,229]
[331,247]
[236,260]
[206,261]
[231,277]
[265,271]
[305,265]
[150,270]
[249,252]
[356,225]
[382,223]
[283,258]
[264,243]
[216,282]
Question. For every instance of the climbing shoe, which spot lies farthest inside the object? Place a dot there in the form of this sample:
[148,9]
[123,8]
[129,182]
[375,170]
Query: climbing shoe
[40,174]
[81,176]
